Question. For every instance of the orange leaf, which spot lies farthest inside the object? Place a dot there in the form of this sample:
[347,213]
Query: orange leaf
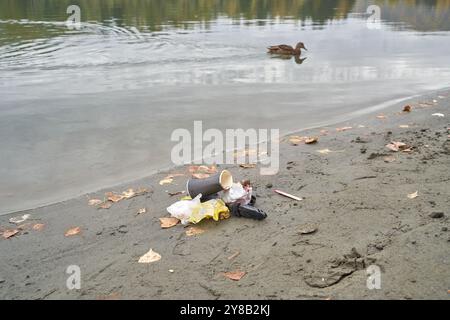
[311,140]
[234,275]
[73,231]
[168,222]
[10,233]
[111,196]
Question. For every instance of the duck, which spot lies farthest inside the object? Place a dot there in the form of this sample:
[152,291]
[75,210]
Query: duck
[287,50]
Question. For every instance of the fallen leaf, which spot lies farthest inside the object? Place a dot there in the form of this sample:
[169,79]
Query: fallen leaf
[9,233]
[150,257]
[200,175]
[168,222]
[203,169]
[248,166]
[20,219]
[141,211]
[194,231]
[105,205]
[234,275]
[166,181]
[296,140]
[73,231]
[311,140]
[413,195]
[94,202]
[111,196]
[441,115]
[38,226]
[343,129]
[407,109]
[130,193]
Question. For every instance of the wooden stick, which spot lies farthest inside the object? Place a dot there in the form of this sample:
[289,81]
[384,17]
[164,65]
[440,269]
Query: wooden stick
[288,195]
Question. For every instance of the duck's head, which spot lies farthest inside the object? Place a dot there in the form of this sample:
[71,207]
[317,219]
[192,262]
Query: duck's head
[301,45]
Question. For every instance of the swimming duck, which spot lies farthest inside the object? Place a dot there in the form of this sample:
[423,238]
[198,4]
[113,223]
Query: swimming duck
[287,50]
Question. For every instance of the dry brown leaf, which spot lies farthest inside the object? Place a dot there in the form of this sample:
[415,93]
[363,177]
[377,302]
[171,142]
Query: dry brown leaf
[194,231]
[248,166]
[72,232]
[130,193]
[407,109]
[111,196]
[94,202]
[311,140]
[234,275]
[413,195]
[168,222]
[105,205]
[343,129]
[150,257]
[38,226]
[203,169]
[9,233]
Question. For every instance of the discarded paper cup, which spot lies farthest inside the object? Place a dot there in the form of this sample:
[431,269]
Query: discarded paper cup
[209,186]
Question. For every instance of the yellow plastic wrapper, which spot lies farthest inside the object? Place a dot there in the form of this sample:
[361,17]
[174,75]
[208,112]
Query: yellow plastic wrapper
[215,209]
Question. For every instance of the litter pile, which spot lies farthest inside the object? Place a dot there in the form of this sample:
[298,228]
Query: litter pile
[216,197]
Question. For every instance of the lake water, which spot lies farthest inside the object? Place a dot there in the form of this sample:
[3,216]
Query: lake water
[95,107]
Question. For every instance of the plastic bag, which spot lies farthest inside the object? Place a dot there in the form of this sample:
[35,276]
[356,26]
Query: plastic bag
[215,209]
[194,211]
[183,209]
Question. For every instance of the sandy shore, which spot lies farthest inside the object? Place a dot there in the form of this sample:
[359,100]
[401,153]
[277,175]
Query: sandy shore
[356,196]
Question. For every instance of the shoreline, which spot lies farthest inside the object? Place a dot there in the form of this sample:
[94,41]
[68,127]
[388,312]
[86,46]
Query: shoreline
[349,117]
[355,194]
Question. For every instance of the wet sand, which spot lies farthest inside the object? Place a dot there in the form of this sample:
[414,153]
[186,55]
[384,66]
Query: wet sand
[356,196]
